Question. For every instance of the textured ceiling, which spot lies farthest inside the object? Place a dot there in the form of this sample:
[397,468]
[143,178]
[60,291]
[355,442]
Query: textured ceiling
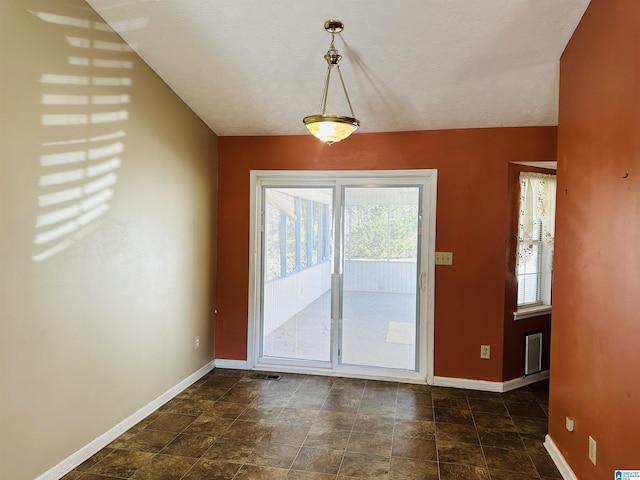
[255,67]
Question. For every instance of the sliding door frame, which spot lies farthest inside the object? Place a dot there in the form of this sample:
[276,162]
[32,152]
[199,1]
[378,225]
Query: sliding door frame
[426,269]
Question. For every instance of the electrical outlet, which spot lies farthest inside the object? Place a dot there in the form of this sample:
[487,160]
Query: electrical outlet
[592,450]
[196,344]
[485,351]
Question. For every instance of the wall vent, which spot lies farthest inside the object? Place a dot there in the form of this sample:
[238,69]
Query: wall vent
[532,353]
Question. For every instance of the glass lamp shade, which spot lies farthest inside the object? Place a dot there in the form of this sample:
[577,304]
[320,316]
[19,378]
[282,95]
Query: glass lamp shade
[331,128]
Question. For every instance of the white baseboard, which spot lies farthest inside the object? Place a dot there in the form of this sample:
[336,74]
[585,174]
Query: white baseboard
[365,373]
[109,436]
[488,386]
[558,459]
[231,364]
[468,384]
[523,381]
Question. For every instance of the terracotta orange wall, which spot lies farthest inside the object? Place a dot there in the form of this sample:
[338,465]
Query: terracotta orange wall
[471,210]
[596,324]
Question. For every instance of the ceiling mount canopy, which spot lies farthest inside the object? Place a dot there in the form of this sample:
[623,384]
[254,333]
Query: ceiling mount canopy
[332,128]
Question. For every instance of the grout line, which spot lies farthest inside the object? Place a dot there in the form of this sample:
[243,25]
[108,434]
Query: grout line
[307,435]
[435,436]
[351,431]
[236,419]
[475,425]
[219,436]
[519,433]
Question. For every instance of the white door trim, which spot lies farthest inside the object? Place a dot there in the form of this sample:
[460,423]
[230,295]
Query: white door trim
[425,373]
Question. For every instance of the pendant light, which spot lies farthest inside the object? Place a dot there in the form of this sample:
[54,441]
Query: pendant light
[332,128]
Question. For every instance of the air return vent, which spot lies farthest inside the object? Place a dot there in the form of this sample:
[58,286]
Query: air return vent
[532,353]
[263,376]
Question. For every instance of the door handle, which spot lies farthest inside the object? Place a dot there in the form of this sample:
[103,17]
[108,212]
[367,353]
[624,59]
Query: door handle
[423,281]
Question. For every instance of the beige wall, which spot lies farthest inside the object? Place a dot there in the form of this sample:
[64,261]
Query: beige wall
[94,332]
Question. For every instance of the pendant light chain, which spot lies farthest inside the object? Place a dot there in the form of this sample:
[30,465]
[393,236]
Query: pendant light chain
[344,87]
[323,102]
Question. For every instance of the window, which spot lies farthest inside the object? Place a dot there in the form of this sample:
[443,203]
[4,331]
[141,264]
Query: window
[297,230]
[536,224]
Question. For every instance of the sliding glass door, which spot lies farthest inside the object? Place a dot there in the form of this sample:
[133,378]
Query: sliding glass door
[338,281]
[380,275]
[296,276]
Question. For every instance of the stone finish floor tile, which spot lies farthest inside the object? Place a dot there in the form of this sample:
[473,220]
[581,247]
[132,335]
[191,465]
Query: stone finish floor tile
[494,437]
[230,450]
[193,446]
[232,425]
[149,441]
[298,475]
[545,466]
[319,460]
[273,455]
[212,470]
[457,433]
[491,420]
[291,435]
[462,472]
[463,453]
[171,422]
[252,472]
[369,423]
[517,409]
[509,460]
[370,443]
[364,466]
[504,475]
[459,416]
[405,468]
[534,443]
[415,448]
[91,461]
[121,463]
[423,429]
[74,475]
[164,467]
[488,405]
[333,439]
[91,476]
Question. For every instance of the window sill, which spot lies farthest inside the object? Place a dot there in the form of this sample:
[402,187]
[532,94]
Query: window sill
[529,312]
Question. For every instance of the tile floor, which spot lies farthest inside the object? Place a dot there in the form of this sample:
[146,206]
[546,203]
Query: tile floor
[229,425]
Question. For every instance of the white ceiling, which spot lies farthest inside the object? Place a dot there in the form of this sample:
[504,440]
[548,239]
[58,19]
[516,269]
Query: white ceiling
[255,67]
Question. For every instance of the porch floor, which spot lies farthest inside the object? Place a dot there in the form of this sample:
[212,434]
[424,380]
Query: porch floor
[378,329]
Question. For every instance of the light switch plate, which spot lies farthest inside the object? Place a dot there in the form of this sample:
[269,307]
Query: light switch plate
[444,258]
